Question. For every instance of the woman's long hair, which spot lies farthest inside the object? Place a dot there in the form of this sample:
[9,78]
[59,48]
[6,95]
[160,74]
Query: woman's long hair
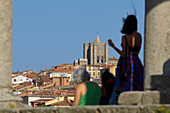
[130,25]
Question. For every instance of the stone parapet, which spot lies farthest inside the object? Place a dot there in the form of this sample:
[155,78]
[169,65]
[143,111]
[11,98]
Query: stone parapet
[78,109]
[150,108]
[90,109]
[144,97]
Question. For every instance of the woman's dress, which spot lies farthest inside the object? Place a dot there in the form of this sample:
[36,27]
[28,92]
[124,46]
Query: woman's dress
[134,78]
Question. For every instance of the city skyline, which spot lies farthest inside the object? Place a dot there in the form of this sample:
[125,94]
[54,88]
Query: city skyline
[51,33]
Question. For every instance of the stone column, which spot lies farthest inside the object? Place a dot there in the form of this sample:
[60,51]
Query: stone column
[157,38]
[7,100]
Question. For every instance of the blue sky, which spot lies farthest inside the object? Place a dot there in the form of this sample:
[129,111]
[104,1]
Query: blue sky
[52,32]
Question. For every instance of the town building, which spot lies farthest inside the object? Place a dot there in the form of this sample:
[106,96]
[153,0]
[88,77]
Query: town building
[44,94]
[113,61]
[62,66]
[61,76]
[20,79]
[80,61]
[44,79]
[95,70]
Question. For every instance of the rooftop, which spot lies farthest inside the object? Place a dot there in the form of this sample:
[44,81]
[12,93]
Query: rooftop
[64,70]
[45,93]
[113,58]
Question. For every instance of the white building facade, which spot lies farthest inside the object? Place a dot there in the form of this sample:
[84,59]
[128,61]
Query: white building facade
[20,79]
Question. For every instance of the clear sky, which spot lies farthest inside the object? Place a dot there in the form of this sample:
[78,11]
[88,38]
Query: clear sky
[52,32]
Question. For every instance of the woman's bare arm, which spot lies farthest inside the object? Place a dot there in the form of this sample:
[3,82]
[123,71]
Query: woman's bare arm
[122,53]
[77,95]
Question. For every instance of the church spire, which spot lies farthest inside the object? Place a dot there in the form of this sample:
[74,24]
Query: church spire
[97,38]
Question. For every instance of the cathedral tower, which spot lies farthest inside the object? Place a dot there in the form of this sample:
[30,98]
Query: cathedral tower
[96,52]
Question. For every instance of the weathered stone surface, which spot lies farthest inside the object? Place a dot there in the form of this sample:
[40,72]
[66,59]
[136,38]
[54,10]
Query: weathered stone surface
[9,111]
[157,38]
[13,104]
[160,82]
[144,97]
[40,110]
[7,100]
[6,53]
[150,97]
[150,108]
[130,98]
[6,43]
[79,109]
[90,109]
[117,109]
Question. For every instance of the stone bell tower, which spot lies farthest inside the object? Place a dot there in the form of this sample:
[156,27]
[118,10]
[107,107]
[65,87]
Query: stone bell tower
[96,52]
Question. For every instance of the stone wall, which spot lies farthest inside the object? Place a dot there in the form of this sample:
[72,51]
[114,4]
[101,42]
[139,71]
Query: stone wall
[90,109]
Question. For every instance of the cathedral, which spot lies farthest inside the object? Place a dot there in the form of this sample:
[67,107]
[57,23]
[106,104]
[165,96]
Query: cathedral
[96,52]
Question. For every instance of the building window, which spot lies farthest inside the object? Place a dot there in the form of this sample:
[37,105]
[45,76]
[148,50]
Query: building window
[21,79]
[98,68]
[102,60]
[14,80]
[98,73]
[98,59]
[89,68]
[93,73]
[93,68]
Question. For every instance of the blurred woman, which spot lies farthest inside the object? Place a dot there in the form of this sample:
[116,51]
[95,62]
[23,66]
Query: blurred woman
[87,92]
[108,81]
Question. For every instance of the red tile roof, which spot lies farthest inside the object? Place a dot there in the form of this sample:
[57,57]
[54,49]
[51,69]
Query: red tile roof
[33,72]
[113,58]
[59,77]
[44,85]
[17,72]
[65,64]
[21,87]
[48,87]
[14,72]
[31,76]
[64,70]
[45,93]
[47,70]
[102,65]
[36,79]
[45,78]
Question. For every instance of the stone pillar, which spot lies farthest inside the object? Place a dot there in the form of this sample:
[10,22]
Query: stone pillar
[7,100]
[157,38]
